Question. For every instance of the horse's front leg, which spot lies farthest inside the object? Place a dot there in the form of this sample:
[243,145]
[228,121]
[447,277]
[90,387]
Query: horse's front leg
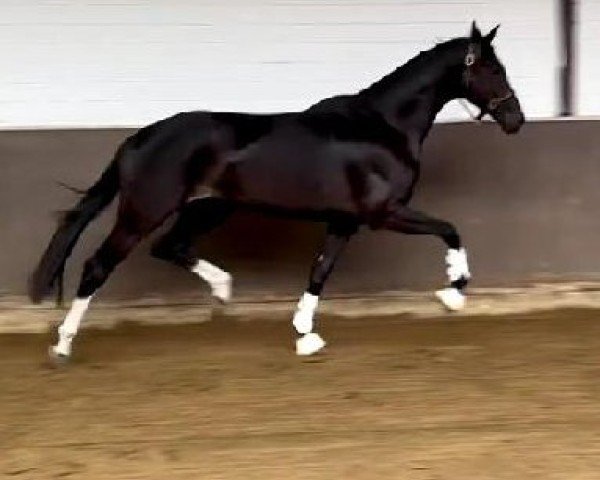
[406,220]
[336,239]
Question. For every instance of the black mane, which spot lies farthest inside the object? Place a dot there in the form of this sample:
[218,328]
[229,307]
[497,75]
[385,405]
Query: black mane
[418,72]
[427,64]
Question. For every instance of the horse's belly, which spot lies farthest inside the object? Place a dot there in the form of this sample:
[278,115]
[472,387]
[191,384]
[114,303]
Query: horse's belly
[301,184]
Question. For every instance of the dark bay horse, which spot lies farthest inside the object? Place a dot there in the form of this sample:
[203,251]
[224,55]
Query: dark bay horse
[347,161]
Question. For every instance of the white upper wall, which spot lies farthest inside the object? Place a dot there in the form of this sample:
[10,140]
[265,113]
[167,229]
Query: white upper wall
[588,58]
[130,62]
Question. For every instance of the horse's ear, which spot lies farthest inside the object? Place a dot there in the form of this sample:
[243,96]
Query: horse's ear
[490,36]
[475,32]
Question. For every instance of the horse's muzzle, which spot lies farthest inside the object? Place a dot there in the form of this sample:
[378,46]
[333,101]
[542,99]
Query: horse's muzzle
[512,122]
[509,115]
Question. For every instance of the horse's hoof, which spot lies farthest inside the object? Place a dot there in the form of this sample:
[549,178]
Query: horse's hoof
[451,298]
[309,344]
[57,357]
[220,302]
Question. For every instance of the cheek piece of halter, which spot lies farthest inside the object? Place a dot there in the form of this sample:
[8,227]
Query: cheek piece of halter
[495,102]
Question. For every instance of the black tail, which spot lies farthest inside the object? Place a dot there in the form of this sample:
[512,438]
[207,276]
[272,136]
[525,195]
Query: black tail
[49,271]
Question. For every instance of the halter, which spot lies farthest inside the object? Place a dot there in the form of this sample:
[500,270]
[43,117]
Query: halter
[494,103]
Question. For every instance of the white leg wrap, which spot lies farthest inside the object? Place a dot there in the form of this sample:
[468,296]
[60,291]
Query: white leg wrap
[68,329]
[309,344]
[458,267]
[303,318]
[219,280]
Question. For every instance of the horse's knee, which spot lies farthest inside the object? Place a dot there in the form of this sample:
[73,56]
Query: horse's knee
[174,252]
[161,250]
[450,235]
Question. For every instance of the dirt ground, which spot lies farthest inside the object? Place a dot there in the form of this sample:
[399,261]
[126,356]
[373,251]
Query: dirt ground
[514,397]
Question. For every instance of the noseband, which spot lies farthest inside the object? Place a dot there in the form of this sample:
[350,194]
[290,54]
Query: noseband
[492,104]
[495,102]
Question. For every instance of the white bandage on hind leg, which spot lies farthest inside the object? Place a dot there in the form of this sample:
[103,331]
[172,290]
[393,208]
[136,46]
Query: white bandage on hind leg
[303,318]
[68,329]
[219,280]
[458,267]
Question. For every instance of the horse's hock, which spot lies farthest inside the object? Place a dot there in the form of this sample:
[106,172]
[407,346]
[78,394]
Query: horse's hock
[516,200]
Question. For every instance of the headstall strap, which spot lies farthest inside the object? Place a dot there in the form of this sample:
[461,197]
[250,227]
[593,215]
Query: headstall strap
[470,57]
[494,103]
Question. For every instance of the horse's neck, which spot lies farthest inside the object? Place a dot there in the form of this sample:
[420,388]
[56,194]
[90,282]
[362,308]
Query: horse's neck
[411,103]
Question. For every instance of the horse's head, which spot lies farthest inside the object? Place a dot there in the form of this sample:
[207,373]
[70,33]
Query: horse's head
[486,85]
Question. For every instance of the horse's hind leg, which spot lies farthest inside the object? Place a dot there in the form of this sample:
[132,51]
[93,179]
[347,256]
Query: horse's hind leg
[197,217]
[125,235]
[338,234]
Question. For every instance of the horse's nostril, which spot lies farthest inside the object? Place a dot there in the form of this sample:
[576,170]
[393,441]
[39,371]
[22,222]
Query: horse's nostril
[514,120]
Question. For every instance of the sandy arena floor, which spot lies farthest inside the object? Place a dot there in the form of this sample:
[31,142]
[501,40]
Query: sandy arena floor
[514,397]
